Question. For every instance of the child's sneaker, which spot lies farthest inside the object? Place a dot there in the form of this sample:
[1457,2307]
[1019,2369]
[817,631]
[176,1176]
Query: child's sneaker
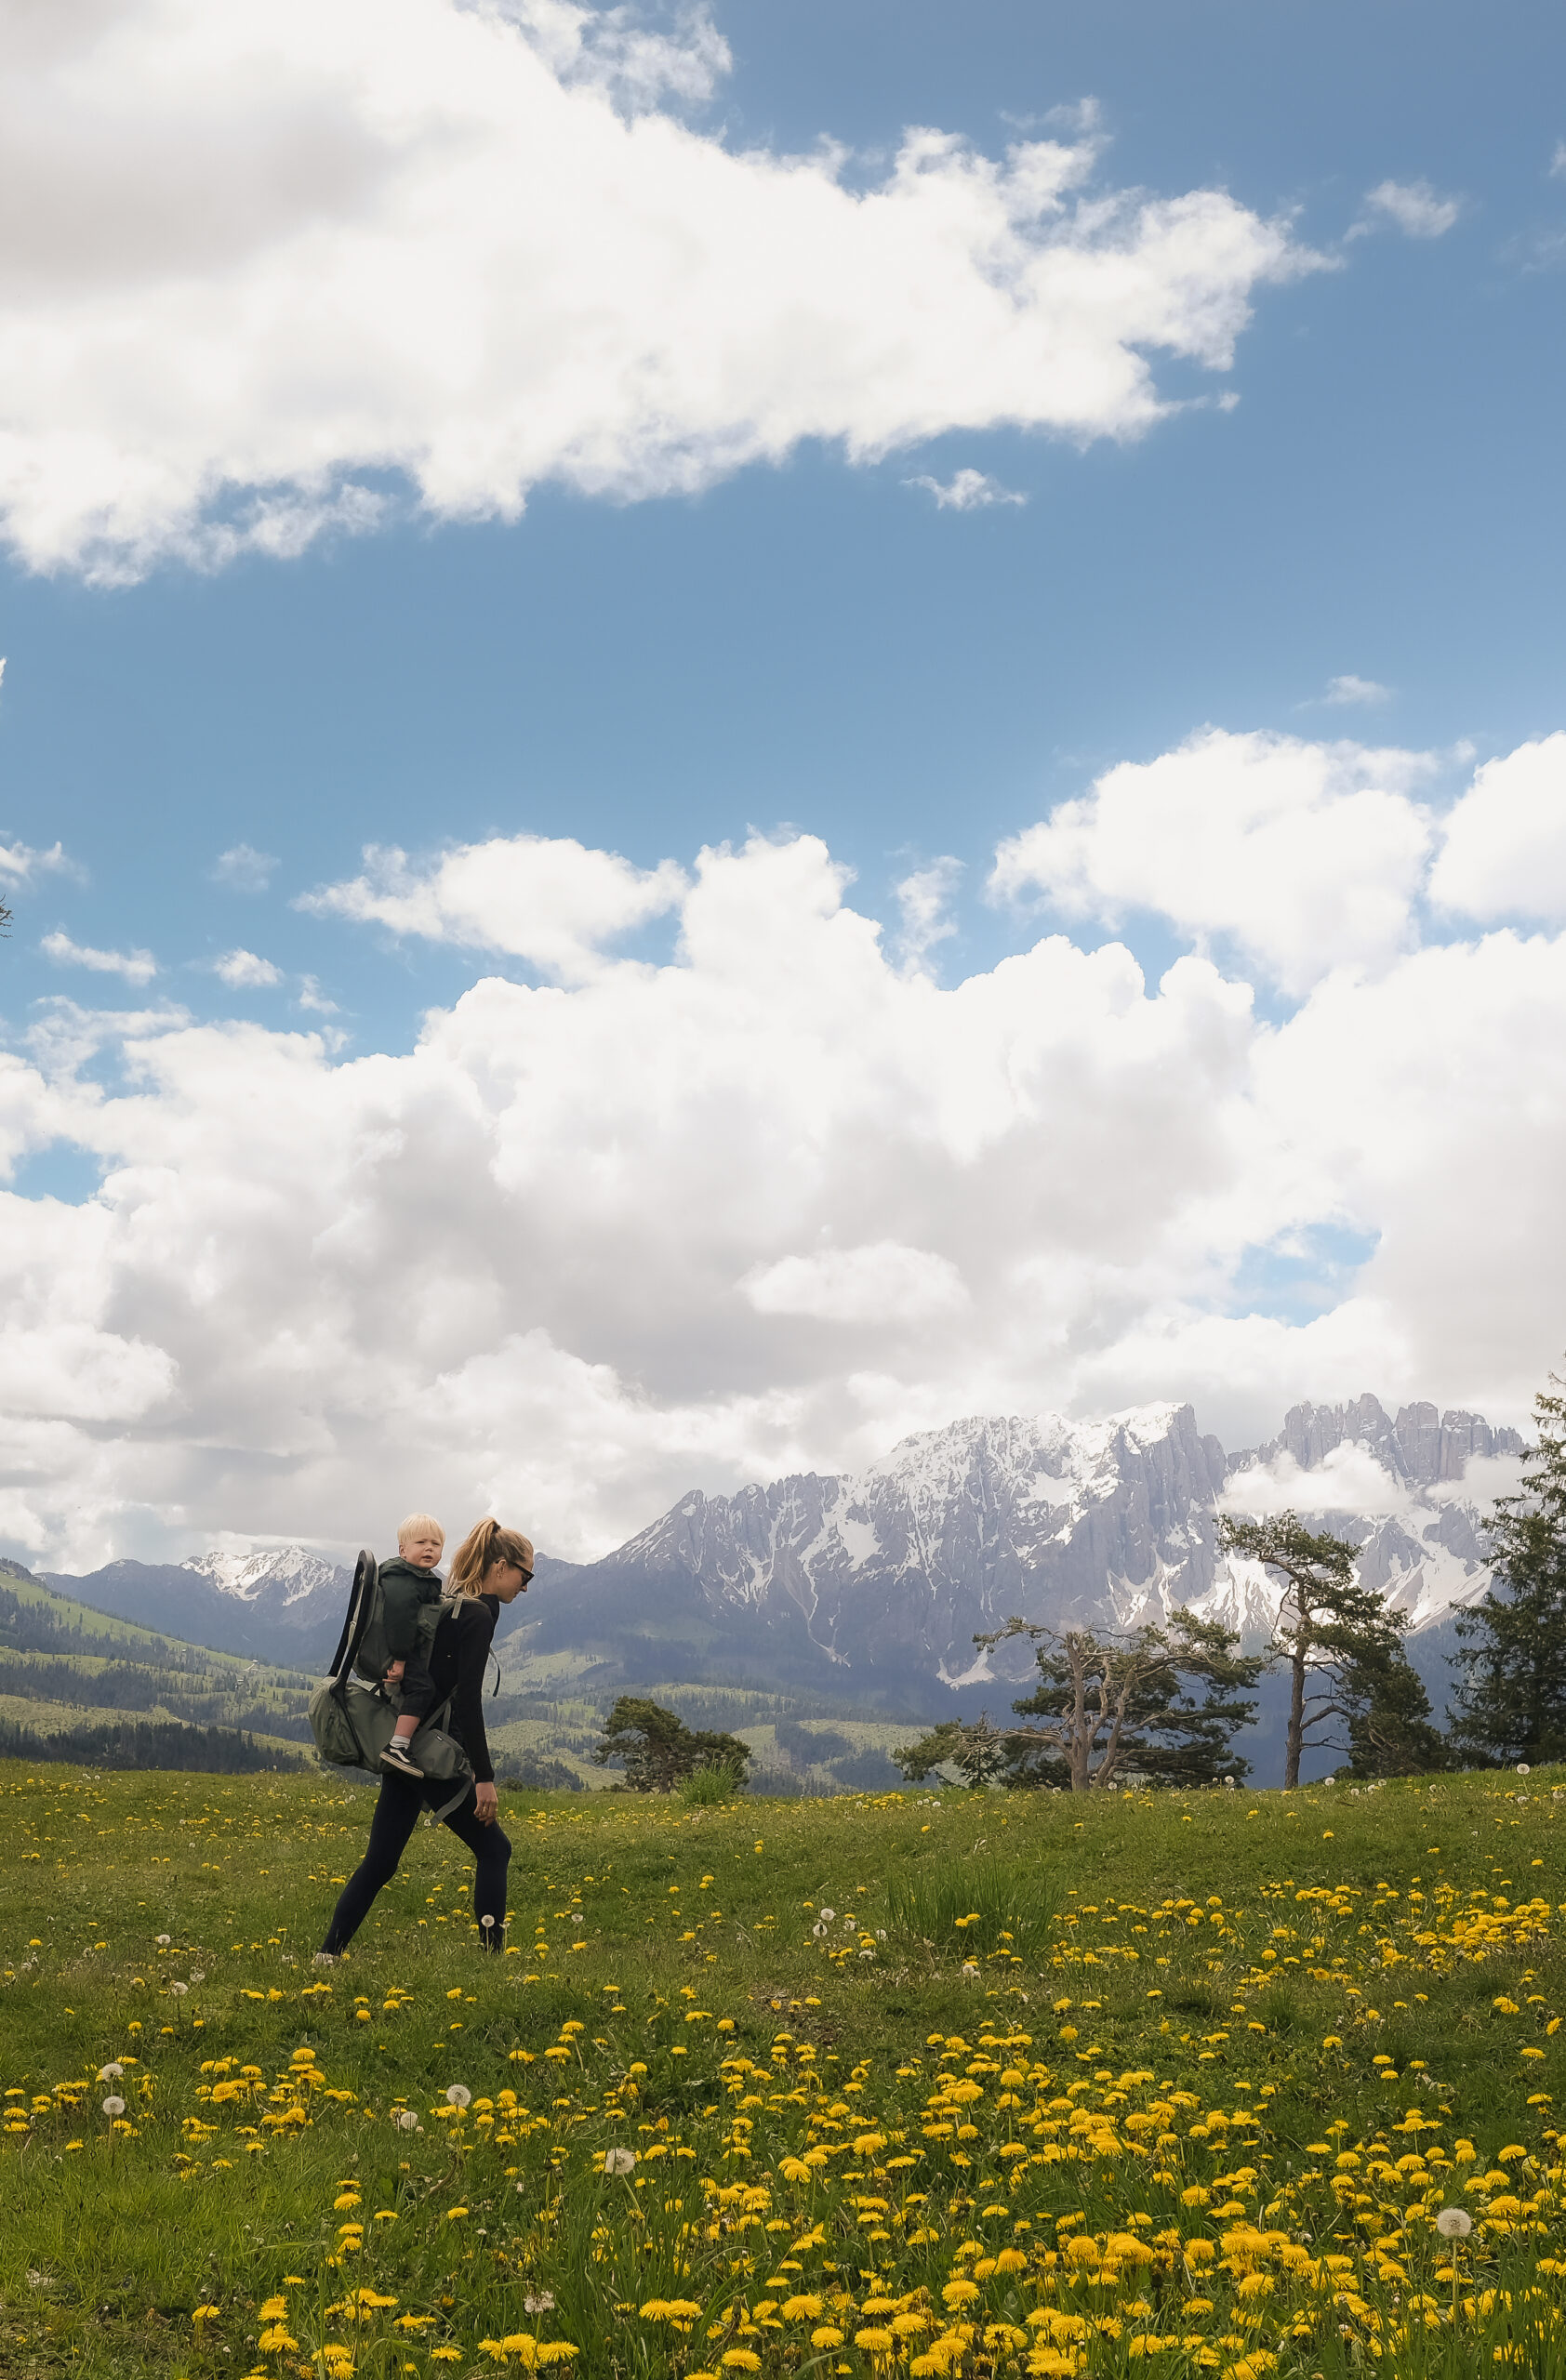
[396,1756]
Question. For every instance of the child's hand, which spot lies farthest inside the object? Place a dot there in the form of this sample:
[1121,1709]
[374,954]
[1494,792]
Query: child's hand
[394,1674]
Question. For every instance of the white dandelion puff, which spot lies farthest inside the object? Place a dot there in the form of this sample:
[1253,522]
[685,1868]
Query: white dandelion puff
[618,2160]
[458,2095]
[1453,2224]
[113,2106]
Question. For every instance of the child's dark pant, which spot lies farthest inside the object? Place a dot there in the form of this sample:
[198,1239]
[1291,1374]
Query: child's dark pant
[416,1689]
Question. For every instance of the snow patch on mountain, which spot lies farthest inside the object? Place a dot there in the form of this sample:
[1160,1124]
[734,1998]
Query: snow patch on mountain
[1062,1523]
[279,1576]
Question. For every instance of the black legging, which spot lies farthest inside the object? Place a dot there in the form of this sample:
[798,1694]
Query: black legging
[396,1815]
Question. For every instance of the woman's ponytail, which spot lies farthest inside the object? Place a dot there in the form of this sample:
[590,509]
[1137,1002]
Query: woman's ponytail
[480,1550]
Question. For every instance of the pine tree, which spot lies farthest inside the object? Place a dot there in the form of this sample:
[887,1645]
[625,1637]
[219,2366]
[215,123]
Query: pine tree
[659,1750]
[1330,1631]
[942,1747]
[1512,1696]
[1113,1706]
[1391,1732]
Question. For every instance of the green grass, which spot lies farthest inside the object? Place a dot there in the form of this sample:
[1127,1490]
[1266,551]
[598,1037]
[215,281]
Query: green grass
[981,1905]
[1237,1963]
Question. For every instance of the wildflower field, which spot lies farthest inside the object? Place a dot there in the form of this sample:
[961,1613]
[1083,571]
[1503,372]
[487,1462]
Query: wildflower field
[961,2085]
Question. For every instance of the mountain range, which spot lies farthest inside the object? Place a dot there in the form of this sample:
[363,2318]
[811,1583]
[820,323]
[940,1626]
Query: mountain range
[871,1587]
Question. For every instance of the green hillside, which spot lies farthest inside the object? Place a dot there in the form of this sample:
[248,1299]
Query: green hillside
[77,1684]
[83,1685]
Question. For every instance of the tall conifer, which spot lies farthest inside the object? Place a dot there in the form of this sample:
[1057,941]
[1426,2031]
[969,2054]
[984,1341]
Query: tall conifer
[1512,1660]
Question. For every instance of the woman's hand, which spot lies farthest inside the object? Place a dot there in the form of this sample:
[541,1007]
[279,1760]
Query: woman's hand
[486,1805]
[394,1674]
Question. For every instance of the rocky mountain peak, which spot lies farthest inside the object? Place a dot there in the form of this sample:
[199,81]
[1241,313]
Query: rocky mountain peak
[1421,1448]
[277,1575]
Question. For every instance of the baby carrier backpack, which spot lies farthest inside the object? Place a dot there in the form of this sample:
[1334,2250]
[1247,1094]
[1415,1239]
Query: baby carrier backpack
[353,1711]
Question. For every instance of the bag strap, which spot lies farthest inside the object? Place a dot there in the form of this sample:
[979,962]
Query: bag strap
[361,1596]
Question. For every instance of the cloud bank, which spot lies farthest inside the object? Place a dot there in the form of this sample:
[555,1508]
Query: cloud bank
[775,1201]
[284,260]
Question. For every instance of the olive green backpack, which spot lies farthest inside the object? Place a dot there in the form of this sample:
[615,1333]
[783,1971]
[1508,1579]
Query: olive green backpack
[353,1713]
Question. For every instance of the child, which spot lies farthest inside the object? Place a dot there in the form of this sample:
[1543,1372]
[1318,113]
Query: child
[408,1585]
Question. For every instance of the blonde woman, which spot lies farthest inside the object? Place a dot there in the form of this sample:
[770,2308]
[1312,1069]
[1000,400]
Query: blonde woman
[491,1567]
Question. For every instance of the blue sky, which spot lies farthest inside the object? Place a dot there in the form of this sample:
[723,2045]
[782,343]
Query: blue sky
[817,644]
[811,644]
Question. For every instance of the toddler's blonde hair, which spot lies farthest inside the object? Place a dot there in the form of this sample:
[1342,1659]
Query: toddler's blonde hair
[418,1525]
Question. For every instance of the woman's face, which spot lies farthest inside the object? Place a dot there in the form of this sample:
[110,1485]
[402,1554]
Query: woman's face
[506,1580]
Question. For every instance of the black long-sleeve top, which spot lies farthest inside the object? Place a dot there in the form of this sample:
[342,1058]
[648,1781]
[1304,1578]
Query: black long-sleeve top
[458,1653]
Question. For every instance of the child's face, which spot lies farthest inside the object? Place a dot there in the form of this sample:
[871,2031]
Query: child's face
[423,1551]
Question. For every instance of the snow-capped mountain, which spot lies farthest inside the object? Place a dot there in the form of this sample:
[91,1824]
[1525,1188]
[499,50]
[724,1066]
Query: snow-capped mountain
[887,1575]
[873,1584]
[283,1604]
[279,1577]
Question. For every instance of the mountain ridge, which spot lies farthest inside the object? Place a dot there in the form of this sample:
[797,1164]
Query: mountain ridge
[881,1579]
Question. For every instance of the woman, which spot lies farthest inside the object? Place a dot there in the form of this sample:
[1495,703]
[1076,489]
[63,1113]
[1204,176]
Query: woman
[492,1566]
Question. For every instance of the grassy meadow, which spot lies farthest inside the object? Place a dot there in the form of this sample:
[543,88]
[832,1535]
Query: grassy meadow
[925,2084]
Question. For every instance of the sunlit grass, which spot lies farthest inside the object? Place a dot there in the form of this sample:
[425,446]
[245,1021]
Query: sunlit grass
[968,2085]
[978,1906]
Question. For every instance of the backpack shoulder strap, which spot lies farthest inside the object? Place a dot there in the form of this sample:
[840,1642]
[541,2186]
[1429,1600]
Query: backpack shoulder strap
[361,1596]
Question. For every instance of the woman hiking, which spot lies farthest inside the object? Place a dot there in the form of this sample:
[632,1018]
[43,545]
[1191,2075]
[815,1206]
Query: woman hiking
[491,1567]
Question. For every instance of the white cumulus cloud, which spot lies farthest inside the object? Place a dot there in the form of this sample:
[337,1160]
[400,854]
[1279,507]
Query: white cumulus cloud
[883,1283]
[767,1203]
[1415,207]
[1349,1479]
[20,863]
[1503,852]
[244,869]
[1347,691]
[136,966]
[282,256]
[924,903]
[241,970]
[966,491]
[547,900]
[1304,857]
